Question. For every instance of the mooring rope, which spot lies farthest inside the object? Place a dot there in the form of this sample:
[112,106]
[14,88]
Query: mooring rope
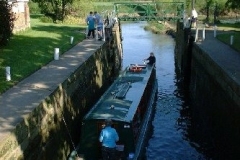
[74,147]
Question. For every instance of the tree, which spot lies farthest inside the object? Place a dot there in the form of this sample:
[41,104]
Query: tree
[233,4]
[7,22]
[56,9]
[208,4]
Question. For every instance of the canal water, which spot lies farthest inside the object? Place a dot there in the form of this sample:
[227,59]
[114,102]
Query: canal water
[171,136]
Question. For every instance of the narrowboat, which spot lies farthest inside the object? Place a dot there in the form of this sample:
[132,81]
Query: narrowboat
[129,103]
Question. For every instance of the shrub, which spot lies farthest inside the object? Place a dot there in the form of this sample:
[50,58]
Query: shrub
[7,22]
[46,19]
[34,9]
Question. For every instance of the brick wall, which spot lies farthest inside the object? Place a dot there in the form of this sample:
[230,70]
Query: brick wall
[21,11]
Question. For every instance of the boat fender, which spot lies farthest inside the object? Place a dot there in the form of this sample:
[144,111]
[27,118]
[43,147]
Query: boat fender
[126,126]
[135,69]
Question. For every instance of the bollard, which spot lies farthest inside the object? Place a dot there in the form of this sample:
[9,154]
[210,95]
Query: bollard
[96,34]
[71,39]
[86,32]
[103,32]
[203,33]
[231,40]
[215,31]
[56,54]
[196,35]
[8,74]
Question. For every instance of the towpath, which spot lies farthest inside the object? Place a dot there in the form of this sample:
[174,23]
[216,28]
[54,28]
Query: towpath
[20,100]
[227,58]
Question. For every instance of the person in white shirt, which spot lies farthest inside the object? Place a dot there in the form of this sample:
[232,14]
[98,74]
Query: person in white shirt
[99,22]
[194,17]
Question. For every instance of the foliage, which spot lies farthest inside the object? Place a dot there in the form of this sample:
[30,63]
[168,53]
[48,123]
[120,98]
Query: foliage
[7,22]
[155,27]
[188,5]
[34,9]
[45,19]
[56,9]
[74,20]
[213,10]
[81,8]
[104,7]
[233,4]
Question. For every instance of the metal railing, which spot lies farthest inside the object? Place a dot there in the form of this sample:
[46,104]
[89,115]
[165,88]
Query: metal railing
[149,11]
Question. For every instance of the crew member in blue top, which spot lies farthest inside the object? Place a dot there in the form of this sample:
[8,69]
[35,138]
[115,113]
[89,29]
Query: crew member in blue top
[151,59]
[90,20]
[108,137]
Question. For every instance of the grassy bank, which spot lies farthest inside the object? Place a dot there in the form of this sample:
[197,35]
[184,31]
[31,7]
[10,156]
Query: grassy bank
[162,28]
[226,39]
[231,30]
[29,50]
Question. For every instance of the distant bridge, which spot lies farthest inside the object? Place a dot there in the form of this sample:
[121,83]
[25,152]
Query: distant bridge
[148,11]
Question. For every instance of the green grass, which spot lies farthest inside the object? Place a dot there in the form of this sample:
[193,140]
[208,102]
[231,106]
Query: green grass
[29,50]
[226,39]
[230,30]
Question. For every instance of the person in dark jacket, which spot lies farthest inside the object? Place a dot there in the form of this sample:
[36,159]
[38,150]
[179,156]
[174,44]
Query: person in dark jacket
[108,137]
[151,59]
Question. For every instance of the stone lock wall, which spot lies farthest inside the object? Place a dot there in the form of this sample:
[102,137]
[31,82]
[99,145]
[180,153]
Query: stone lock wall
[215,96]
[216,100]
[53,128]
[182,51]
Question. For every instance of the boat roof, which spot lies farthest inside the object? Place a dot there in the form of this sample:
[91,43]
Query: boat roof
[122,98]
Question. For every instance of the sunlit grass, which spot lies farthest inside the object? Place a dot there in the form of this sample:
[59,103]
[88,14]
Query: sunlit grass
[29,50]
[226,38]
[231,29]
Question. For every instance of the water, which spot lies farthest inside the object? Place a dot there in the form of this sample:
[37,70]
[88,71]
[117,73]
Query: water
[171,136]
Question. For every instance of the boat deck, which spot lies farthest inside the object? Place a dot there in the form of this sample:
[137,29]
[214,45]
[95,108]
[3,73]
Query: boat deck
[123,97]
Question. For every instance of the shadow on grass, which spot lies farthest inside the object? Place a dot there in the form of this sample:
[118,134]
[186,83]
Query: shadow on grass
[229,26]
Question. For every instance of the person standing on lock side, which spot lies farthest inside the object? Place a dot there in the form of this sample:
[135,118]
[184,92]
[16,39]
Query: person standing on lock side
[99,23]
[90,20]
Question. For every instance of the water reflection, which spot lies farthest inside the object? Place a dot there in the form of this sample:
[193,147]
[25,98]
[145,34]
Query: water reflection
[172,125]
